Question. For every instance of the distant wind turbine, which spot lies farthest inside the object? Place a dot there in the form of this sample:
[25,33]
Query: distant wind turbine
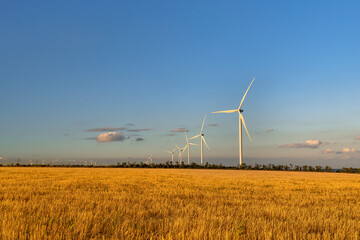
[180,152]
[241,120]
[188,147]
[202,140]
[172,154]
[149,159]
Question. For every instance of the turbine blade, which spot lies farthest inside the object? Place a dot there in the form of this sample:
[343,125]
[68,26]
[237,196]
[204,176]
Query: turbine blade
[202,126]
[205,143]
[243,120]
[195,137]
[193,144]
[186,136]
[227,111]
[245,94]
[185,147]
[177,146]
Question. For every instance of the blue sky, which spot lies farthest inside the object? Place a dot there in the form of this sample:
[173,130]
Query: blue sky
[161,65]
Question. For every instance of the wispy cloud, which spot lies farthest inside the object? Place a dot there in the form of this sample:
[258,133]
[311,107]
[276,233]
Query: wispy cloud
[308,144]
[357,138]
[139,129]
[110,137]
[1,158]
[130,124]
[328,150]
[139,139]
[170,134]
[266,131]
[176,130]
[213,125]
[105,129]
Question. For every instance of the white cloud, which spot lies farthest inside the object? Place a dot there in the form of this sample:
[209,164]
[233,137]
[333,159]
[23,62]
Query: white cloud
[345,150]
[110,137]
[308,144]
[348,150]
[328,150]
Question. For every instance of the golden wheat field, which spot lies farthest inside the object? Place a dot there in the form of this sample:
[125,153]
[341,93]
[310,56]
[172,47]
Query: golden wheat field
[99,203]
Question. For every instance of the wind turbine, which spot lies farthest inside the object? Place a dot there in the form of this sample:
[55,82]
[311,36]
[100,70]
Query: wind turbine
[188,147]
[202,140]
[241,120]
[149,159]
[180,152]
[172,154]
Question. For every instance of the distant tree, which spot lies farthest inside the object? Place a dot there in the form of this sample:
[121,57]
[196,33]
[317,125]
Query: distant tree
[328,169]
[305,168]
[248,167]
[318,168]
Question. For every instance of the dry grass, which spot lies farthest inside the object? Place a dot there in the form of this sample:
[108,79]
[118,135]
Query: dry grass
[67,203]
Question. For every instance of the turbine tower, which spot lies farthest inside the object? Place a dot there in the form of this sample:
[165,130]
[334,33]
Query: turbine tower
[172,154]
[241,121]
[188,146]
[202,140]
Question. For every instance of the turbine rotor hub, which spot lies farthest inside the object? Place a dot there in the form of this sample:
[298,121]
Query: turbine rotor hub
[241,110]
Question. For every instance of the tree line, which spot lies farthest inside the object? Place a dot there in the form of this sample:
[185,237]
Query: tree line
[168,164]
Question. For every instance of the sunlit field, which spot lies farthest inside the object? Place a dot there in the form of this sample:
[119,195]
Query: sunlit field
[85,203]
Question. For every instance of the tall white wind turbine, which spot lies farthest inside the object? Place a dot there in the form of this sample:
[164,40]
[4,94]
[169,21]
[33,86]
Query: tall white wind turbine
[188,146]
[202,140]
[180,152]
[241,121]
[172,154]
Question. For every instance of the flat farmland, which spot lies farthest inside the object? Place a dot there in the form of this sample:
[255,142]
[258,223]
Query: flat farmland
[117,203]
